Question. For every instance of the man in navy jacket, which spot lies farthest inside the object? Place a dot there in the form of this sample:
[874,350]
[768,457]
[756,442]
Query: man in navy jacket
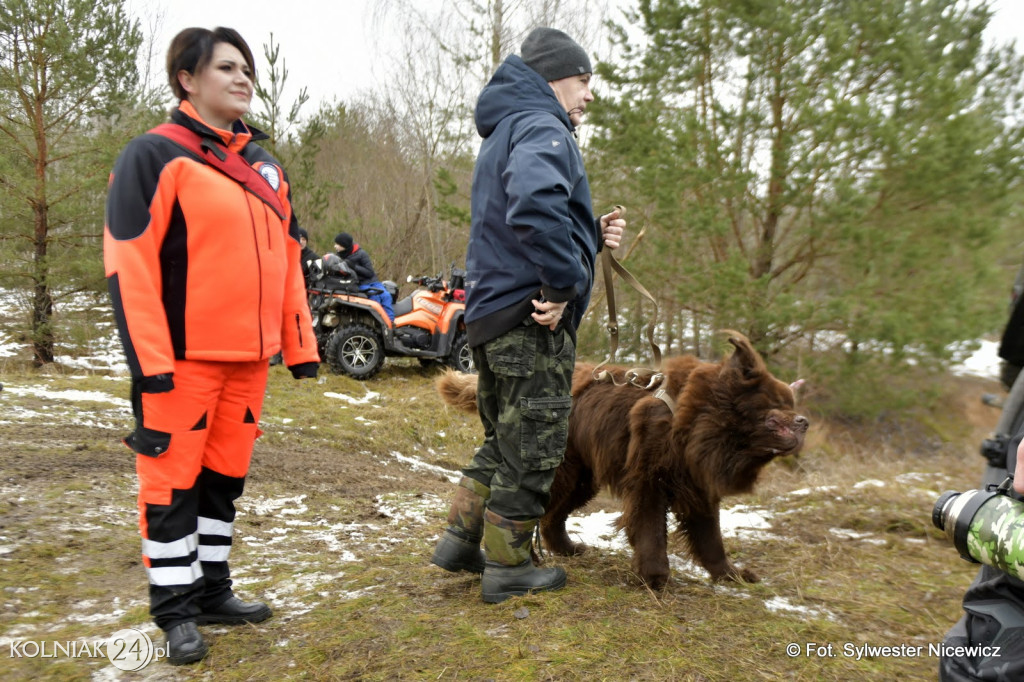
[530,263]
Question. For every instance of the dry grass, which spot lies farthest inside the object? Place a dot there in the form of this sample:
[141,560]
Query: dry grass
[337,529]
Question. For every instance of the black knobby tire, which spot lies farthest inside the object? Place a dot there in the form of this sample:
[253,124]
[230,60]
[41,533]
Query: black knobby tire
[355,350]
[461,358]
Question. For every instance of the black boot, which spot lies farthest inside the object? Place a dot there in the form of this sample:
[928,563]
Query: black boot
[185,644]
[509,569]
[234,611]
[458,554]
[501,582]
[459,546]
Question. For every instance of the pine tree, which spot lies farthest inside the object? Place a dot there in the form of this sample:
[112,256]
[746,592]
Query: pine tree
[67,77]
[831,171]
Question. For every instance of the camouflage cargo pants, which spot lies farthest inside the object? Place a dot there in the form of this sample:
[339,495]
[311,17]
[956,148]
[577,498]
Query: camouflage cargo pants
[523,395]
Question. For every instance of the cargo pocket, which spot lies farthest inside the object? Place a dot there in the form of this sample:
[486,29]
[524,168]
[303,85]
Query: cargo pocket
[156,420]
[148,442]
[544,431]
[513,353]
[561,347]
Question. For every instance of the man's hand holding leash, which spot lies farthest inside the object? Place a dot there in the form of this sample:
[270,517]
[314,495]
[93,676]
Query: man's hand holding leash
[612,227]
[549,313]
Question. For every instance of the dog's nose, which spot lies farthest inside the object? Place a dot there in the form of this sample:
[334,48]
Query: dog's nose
[801,422]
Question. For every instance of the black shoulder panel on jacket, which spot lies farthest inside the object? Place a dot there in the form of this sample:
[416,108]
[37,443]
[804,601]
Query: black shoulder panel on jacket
[134,184]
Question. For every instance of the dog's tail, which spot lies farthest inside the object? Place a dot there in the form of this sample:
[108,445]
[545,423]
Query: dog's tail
[458,390]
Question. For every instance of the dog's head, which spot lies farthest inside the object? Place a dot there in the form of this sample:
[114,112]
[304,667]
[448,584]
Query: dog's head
[764,407]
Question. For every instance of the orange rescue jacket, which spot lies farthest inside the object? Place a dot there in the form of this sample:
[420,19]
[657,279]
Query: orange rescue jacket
[199,267]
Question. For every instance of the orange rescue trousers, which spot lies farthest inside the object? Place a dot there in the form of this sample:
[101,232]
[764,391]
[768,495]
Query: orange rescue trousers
[187,492]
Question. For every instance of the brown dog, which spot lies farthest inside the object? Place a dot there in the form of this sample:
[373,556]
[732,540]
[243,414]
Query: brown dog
[727,421]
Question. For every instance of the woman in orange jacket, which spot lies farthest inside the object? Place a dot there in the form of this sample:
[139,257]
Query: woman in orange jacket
[199,326]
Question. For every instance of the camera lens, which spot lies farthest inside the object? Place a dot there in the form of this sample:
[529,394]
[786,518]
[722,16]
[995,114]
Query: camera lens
[938,515]
[985,526]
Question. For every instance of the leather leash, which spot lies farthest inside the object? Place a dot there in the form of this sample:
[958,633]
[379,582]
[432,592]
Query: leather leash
[645,379]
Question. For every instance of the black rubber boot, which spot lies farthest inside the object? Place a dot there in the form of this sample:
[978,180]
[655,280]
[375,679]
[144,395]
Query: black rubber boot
[509,569]
[459,546]
[185,644]
[501,582]
[458,554]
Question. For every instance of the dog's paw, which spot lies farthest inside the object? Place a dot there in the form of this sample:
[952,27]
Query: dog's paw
[559,543]
[749,576]
[577,549]
[655,582]
[736,575]
[653,576]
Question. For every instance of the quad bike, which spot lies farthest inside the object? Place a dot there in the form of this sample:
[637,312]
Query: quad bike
[354,334]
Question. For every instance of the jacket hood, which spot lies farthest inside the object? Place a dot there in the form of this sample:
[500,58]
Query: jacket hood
[515,88]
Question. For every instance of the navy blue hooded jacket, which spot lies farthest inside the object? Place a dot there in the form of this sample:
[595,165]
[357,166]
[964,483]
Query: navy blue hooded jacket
[533,231]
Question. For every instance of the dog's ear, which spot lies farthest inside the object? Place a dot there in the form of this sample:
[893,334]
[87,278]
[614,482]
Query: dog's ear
[745,359]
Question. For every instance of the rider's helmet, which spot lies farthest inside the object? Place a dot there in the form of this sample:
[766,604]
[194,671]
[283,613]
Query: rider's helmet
[336,267]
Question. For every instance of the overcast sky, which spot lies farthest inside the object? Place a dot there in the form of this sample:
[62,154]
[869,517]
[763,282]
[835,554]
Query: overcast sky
[328,46]
[331,47]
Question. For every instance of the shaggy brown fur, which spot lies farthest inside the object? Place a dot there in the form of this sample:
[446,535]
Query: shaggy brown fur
[731,418]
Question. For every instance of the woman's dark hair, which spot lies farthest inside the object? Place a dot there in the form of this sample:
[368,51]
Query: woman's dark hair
[192,49]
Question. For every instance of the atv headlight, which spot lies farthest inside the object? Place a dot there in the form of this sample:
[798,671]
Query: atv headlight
[330,320]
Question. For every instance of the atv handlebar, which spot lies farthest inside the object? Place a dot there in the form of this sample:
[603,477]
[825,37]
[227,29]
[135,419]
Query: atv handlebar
[455,284]
[430,283]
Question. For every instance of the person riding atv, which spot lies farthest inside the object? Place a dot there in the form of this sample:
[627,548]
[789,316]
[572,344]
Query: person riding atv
[354,332]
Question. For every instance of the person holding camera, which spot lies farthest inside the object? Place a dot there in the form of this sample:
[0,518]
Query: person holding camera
[987,643]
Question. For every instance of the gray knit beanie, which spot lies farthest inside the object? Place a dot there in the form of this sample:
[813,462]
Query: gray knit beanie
[554,55]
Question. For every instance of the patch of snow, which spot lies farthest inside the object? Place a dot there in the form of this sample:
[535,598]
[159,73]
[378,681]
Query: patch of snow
[598,530]
[744,522]
[274,506]
[403,508]
[983,362]
[686,566]
[802,492]
[420,465]
[8,349]
[777,604]
[870,482]
[69,395]
[367,399]
[850,534]
[917,477]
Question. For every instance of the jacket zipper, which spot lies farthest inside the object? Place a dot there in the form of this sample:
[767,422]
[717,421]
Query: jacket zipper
[259,267]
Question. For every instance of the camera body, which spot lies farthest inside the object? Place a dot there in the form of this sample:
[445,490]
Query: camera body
[986,526]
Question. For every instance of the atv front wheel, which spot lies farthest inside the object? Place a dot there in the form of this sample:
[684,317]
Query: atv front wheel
[355,350]
[461,358]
